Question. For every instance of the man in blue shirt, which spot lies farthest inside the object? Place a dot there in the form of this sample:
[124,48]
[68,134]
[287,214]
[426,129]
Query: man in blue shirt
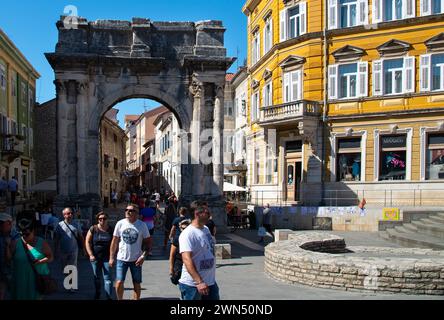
[68,236]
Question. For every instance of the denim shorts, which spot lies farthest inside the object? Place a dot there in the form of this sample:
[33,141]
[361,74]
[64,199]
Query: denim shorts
[191,293]
[122,269]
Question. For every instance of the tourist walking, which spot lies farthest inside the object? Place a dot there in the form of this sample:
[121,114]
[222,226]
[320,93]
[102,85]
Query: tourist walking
[170,215]
[114,198]
[129,236]
[28,247]
[127,198]
[147,215]
[198,279]
[3,187]
[175,230]
[175,260]
[13,188]
[98,244]
[266,221]
[68,240]
[156,196]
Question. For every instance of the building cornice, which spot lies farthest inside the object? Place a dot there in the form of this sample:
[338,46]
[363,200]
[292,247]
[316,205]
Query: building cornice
[388,114]
[10,48]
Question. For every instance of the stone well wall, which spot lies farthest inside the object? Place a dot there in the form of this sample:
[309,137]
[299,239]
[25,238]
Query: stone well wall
[375,269]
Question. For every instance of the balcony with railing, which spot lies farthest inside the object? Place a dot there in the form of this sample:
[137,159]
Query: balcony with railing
[12,147]
[288,112]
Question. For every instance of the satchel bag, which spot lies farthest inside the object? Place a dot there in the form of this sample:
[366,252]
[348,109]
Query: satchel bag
[79,241]
[43,283]
[261,232]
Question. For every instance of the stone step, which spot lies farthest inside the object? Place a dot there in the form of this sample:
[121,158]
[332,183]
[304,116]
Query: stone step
[428,227]
[440,214]
[411,227]
[384,235]
[402,229]
[416,240]
[436,218]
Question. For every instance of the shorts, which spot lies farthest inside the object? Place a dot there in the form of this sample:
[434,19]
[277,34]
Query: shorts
[122,269]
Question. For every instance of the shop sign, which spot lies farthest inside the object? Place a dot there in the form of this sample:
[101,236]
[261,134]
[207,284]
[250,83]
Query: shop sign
[394,141]
[391,214]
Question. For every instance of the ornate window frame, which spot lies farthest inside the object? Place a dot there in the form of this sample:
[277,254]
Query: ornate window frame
[377,150]
[423,133]
[334,142]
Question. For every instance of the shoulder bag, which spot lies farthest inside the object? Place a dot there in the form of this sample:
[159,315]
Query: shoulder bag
[79,241]
[43,283]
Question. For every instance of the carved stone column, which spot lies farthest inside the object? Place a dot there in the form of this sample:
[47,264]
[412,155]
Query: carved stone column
[218,156]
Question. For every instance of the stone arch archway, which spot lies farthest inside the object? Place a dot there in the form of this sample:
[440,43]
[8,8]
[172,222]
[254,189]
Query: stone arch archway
[98,64]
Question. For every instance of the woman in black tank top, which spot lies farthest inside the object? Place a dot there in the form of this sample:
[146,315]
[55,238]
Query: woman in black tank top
[98,242]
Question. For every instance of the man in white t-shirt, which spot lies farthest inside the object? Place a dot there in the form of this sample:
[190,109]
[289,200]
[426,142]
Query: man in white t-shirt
[198,280]
[129,235]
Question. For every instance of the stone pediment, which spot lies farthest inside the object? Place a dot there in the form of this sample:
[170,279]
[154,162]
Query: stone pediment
[254,84]
[348,52]
[267,74]
[268,15]
[291,61]
[394,46]
[437,42]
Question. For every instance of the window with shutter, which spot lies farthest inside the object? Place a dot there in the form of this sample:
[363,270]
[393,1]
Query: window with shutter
[283,25]
[409,74]
[303,21]
[267,95]
[362,12]
[332,14]
[268,35]
[255,47]
[363,79]
[377,11]
[286,88]
[377,77]
[425,7]
[332,81]
[3,77]
[409,7]
[292,86]
[424,76]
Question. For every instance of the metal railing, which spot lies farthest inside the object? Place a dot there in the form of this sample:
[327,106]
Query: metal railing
[383,197]
[289,110]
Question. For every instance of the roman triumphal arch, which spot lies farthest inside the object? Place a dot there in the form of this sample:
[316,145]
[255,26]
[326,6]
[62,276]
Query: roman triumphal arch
[98,64]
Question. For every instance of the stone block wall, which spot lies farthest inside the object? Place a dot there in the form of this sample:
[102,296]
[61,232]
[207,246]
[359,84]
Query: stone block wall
[405,270]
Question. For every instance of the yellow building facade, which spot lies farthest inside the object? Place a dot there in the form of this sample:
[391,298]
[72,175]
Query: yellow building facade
[17,99]
[351,93]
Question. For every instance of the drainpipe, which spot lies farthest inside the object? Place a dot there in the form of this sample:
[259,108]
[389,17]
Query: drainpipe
[324,111]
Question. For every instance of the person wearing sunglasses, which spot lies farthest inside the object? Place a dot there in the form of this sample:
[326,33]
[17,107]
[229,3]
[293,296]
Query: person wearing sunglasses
[129,236]
[98,243]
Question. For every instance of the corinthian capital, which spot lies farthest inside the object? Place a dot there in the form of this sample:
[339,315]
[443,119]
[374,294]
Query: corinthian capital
[196,89]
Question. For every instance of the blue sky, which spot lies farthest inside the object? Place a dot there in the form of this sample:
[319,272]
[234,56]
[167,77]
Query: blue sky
[31,26]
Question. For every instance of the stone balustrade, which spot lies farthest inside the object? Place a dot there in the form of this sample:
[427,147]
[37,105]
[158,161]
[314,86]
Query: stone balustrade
[290,110]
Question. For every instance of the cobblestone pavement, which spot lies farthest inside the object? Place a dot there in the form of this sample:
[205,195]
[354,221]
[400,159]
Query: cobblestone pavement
[241,277]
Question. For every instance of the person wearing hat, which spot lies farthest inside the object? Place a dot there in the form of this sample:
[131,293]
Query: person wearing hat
[5,253]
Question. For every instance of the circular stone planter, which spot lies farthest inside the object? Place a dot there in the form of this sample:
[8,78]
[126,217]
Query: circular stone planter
[322,260]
